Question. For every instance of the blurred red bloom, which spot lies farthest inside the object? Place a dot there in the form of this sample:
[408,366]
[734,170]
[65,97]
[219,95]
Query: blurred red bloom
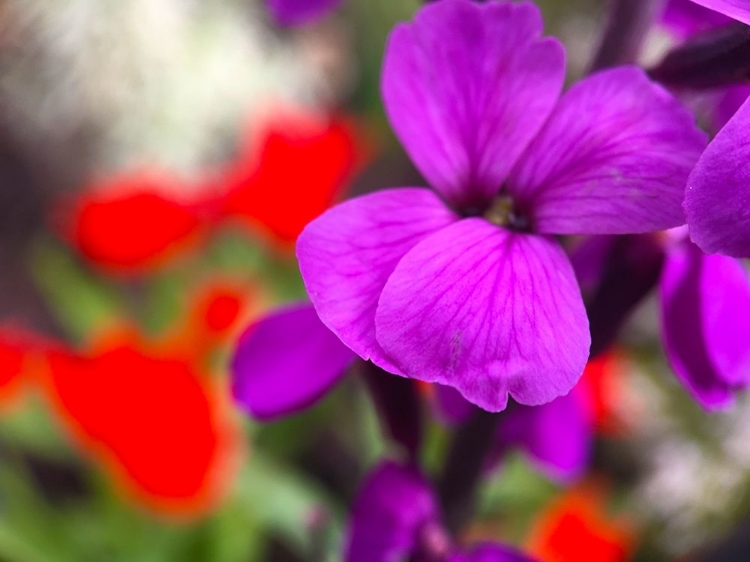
[603,387]
[132,222]
[294,170]
[162,429]
[284,176]
[576,528]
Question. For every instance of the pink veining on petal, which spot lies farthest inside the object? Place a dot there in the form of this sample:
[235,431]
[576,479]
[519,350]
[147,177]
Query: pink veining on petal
[613,158]
[347,254]
[488,312]
[466,86]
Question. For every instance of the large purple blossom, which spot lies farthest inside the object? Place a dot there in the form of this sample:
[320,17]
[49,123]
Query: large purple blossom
[465,284]
[396,517]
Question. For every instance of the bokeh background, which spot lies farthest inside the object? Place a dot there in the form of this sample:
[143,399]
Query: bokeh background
[157,160]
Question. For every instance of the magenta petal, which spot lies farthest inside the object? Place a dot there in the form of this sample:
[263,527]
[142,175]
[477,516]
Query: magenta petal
[466,86]
[285,362]
[488,552]
[299,12]
[488,312]
[705,321]
[557,437]
[347,254]
[735,9]
[728,102]
[393,505]
[717,200]
[613,158]
[725,287]
[685,18]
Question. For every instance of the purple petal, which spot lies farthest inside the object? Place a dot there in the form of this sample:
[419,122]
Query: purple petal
[285,362]
[299,12]
[393,506]
[613,159]
[488,312]
[728,103]
[685,18]
[725,288]
[347,254]
[557,437]
[705,304]
[717,200]
[735,9]
[488,552]
[466,86]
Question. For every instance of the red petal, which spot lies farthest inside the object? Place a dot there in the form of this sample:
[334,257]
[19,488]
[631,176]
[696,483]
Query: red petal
[131,223]
[301,169]
[576,527]
[152,420]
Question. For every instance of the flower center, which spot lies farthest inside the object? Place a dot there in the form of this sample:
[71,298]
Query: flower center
[502,212]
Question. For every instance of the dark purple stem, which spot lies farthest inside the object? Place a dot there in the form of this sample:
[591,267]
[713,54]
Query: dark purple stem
[463,468]
[628,22]
[398,405]
[718,58]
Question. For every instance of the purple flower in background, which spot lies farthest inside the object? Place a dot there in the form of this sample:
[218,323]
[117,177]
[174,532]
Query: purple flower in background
[705,310]
[735,9]
[705,315]
[300,12]
[717,200]
[396,517]
[465,284]
[285,362]
[556,437]
[684,18]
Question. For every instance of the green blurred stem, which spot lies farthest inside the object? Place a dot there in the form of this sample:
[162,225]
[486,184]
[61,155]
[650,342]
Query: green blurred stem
[628,23]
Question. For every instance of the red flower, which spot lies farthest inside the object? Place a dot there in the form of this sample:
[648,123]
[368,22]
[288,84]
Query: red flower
[295,170]
[162,429]
[575,528]
[134,222]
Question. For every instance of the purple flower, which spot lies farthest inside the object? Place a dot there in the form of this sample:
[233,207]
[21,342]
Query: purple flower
[717,200]
[555,437]
[705,310]
[705,315]
[288,360]
[300,12]
[465,284]
[735,9]
[285,362]
[396,517]
[685,18]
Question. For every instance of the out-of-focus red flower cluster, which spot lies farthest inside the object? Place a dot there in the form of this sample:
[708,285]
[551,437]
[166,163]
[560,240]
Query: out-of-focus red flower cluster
[148,411]
[148,408]
[285,174]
